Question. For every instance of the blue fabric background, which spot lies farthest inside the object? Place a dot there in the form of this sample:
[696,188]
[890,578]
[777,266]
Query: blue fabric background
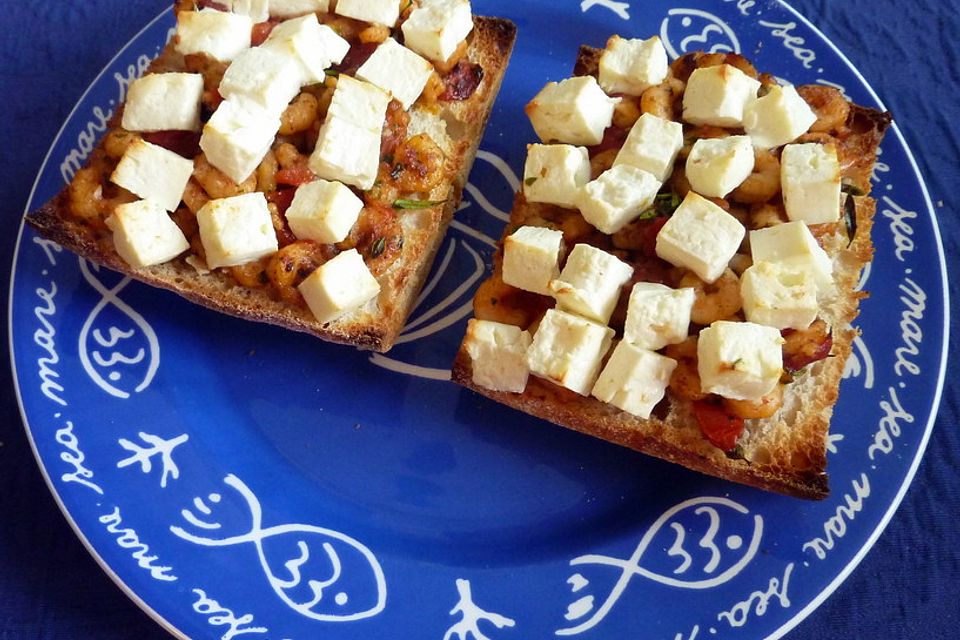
[907,587]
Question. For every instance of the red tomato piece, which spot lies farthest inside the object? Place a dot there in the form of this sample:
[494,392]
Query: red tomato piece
[295,176]
[718,426]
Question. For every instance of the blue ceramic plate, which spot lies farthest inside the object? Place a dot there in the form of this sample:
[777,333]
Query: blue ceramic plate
[238,479]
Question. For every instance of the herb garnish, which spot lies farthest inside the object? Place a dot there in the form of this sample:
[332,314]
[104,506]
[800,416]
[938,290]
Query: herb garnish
[416,204]
[378,246]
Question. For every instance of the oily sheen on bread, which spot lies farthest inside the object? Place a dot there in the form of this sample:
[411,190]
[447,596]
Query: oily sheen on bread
[453,117]
[785,452]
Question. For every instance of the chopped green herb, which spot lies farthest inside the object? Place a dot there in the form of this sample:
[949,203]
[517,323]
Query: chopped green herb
[406,6]
[416,204]
[850,218]
[377,247]
[663,205]
[529,181]
[332,73]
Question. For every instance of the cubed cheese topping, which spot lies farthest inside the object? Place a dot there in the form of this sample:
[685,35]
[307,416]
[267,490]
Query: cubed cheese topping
[144,234]
[531,257]
[810,175]
[632,66]
[436,29]
[777,118]
[779,295]
[153,173]
[718,96]
[792,244]
[339,287]
[555,173]
[590,283]
[323,211]
[701,237]
[164,102]
[313,46]
[236,230]
[569,350]
[634,379]
[258,10]
[498,355]
[385,12]
[397,70]
[652,145]
[717,166]
[292,8]
[739,360]
[574,111]
[360,103]
[617,196]
[263,77]
[237,137]
[217,33]
[657,315]
[347,153]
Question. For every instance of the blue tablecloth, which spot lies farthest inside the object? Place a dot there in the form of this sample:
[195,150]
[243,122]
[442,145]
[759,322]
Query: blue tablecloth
[907,587]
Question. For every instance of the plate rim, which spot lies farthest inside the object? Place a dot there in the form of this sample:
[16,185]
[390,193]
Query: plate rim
[821,597]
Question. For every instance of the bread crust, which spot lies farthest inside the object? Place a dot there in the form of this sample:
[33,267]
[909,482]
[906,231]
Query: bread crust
[376,326]
[785,453]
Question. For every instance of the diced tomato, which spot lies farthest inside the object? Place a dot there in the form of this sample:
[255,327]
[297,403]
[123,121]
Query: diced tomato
[261,31]
[283,198]
[651,230]
[462,81]
[718,426]
[184,143]
[358,54]
[808,350]
[295,176]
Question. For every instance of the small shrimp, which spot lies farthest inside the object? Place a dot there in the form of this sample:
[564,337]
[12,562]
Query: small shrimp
[626,113]
[685,379]
[602,161]
[716,300]
[763,407]
[663,100]
[828,103]
[764,183]
[767,215]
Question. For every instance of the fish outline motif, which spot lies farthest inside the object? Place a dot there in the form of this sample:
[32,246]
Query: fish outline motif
[722,36]
[631,567]
[258,534]
[93,360]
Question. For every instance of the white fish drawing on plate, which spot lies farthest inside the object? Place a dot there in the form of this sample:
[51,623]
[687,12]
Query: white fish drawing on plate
[118,348]
[708,541]
[319,573]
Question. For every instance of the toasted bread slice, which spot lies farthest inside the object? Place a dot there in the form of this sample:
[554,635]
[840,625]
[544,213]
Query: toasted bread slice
[785,453]
[456,126]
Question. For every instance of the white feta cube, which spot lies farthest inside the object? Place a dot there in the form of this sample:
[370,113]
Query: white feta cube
[590,283]
[657,315]
[263,77]
[360,103]
[555,173]
[153,173]
[777,118]
[718,96]
[385,12]
[568,350]
[144,234]
[652,145]
[435,30]
[323,211]
[347,153]
[574,111]
[217,33]
[616,197]
[257,10]
[531,258]
[164,102]
[792,244]
[314,46]
[634,379]
[739,360]
[236,230]
[717,166]
[632,66]
[810,176]
[291,8]
[397,70]
[779,295]
[701,237]
[237,137]
[498,355]
[339,287]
